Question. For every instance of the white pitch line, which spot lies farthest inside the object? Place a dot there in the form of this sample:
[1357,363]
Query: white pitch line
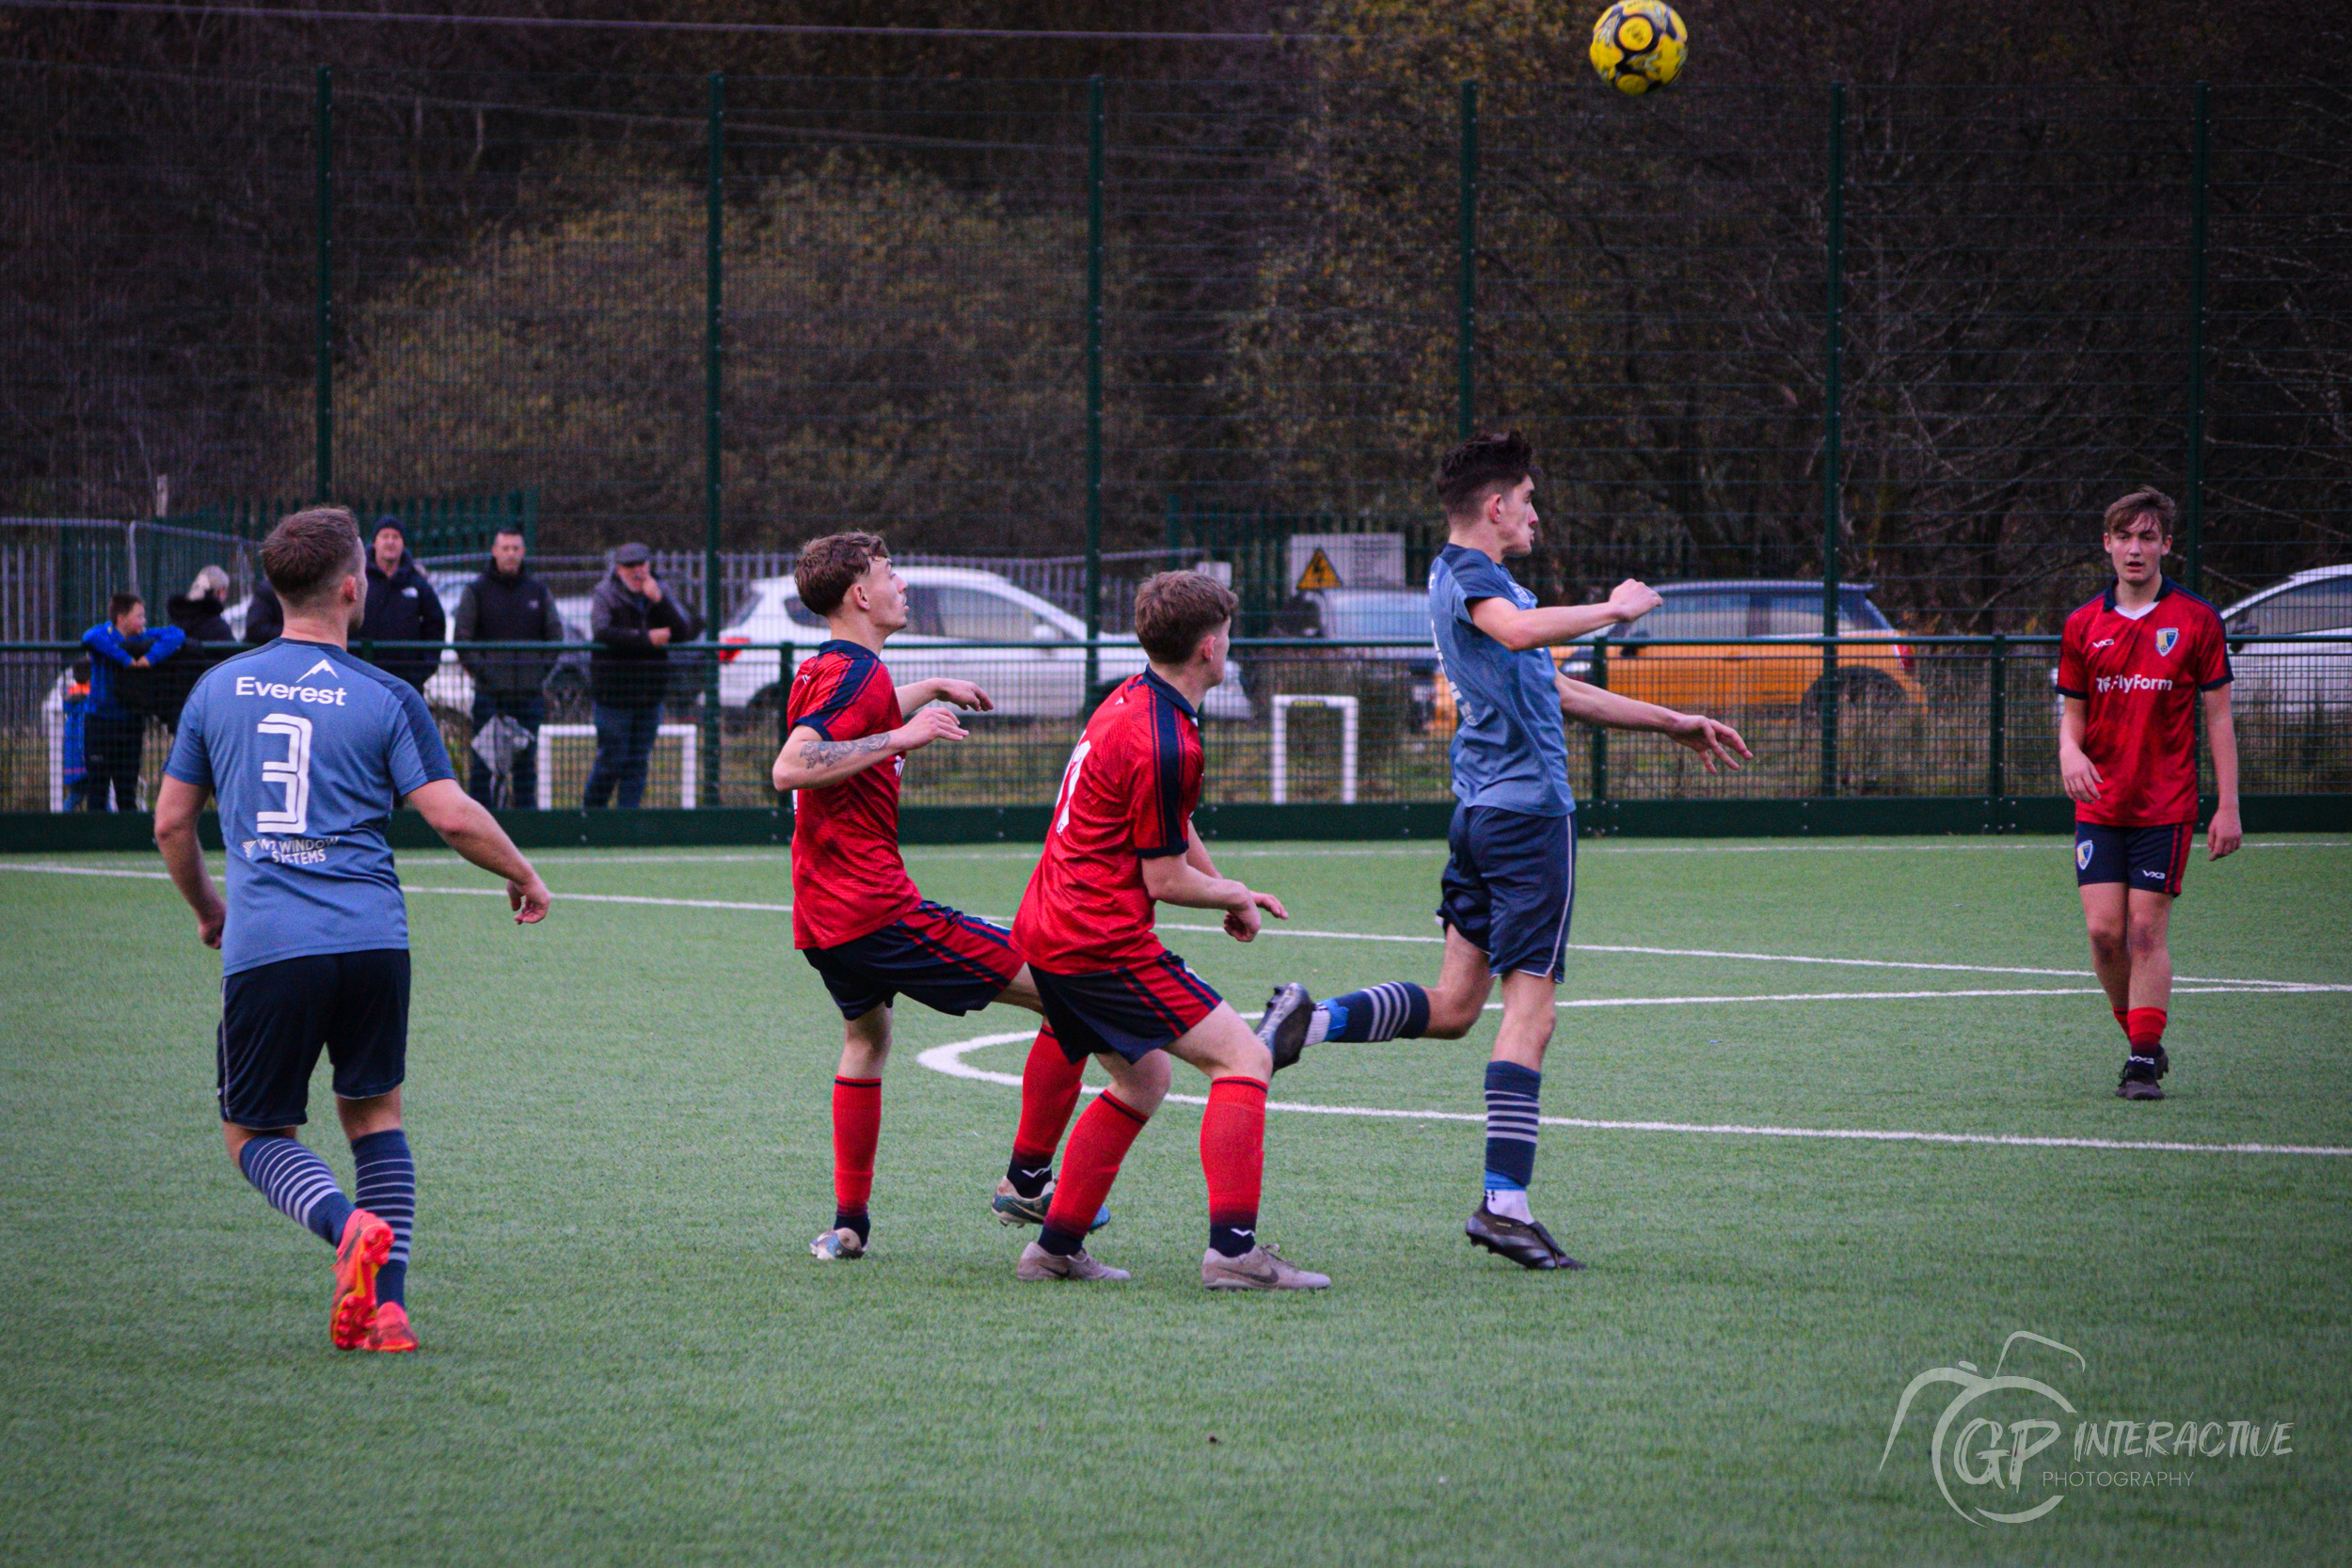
[1271,929]
[2222,984]
[949,1059]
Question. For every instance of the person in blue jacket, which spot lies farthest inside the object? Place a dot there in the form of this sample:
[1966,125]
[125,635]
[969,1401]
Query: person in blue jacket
[113,735]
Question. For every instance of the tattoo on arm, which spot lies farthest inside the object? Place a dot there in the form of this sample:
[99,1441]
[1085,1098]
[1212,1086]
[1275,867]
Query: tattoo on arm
[824,754]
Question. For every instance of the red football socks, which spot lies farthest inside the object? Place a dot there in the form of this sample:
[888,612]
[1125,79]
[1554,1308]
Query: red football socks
[856,1129]
[1089,1166]
[2123,1020]
[2146,1027]
[1049,1092]
[1232,1157]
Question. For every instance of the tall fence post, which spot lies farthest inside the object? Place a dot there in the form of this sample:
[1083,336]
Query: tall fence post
[2193,507]
[1466,305]
[1833,418]
[1996,737]
[322,459]
[714,381]
[1095,383]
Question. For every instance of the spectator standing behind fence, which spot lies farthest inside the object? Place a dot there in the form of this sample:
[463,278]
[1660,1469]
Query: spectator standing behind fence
[402,606]
[506,604]
[633,623]
[113,735]
[264,617]
[199,613]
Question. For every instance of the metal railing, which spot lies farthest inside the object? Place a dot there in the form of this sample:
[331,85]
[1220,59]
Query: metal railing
[1915,717]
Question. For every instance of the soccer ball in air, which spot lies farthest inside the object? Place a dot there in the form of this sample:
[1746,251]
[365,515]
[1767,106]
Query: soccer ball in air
[1639,46]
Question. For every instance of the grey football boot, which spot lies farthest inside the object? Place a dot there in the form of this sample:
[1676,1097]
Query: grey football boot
[1037,1263]
[1282,1030]
[1261,1268]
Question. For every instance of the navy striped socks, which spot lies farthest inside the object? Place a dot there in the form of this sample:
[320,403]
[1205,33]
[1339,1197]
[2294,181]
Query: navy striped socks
[1511,1095]
[386,1188]
[297,1182]
[1383,1012]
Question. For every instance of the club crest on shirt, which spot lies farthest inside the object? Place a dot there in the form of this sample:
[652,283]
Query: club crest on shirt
[2166,638]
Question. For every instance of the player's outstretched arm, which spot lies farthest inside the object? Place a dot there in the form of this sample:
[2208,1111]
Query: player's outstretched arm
[809,761]
[938,688]
[177,804]
[1716,742]
[2223,835]
[1179,879]
[1549,626]
[467,826]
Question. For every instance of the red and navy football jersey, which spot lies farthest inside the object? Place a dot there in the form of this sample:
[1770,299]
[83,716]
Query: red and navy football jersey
[2142,680]
[847,877]
[1127,795]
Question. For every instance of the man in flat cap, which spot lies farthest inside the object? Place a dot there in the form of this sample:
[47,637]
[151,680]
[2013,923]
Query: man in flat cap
[632,624]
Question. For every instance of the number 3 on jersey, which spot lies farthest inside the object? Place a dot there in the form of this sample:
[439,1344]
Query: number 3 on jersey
[292,774]
[1070,784]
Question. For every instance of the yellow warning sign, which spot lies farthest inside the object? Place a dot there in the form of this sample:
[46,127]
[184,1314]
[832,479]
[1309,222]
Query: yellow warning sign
[1318,574]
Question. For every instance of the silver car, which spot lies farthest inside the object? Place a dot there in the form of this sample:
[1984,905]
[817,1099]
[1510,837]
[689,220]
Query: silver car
[1044,679]
[2305,676]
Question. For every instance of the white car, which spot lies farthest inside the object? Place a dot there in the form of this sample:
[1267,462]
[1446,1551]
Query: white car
[2319,675]
[1045,679]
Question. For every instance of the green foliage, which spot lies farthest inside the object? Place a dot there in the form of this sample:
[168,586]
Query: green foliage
[899,354]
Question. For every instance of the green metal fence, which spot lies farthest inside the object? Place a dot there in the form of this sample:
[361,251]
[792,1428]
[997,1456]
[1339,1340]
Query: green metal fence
[1314,721]
[1913,336]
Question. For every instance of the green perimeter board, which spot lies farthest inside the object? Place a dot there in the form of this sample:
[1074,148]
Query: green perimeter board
[57,832]
[621,1124]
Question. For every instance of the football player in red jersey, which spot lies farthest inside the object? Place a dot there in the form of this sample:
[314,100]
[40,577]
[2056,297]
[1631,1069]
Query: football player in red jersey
[1120,841]
[2135,665]
[856,914]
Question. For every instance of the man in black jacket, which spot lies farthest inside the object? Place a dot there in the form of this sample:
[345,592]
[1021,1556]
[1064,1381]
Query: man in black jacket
[402,608]
[633,623]
[264,617]
[507,605]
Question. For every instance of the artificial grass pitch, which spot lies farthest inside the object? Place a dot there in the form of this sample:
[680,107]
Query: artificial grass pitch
[620,1121]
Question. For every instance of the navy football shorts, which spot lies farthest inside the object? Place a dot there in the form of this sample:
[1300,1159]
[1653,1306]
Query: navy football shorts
[948,960]
[1132,1011]
[1510,887]
[2152,859]
[275,1018]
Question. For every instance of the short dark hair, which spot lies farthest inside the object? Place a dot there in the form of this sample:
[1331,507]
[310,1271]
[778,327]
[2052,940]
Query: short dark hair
[309,552]
[2143,502]
[1174,611]
[827,567]
[121,605]
[501,533]
[1481,463]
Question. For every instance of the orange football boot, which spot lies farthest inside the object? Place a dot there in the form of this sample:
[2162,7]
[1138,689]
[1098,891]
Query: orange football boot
[367,1243]
[389,1330]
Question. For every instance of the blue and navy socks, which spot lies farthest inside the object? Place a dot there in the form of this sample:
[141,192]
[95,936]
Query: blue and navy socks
[1513,1093]
[299,1185]
[297,1182]
[1392,1010]
[386,1188]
